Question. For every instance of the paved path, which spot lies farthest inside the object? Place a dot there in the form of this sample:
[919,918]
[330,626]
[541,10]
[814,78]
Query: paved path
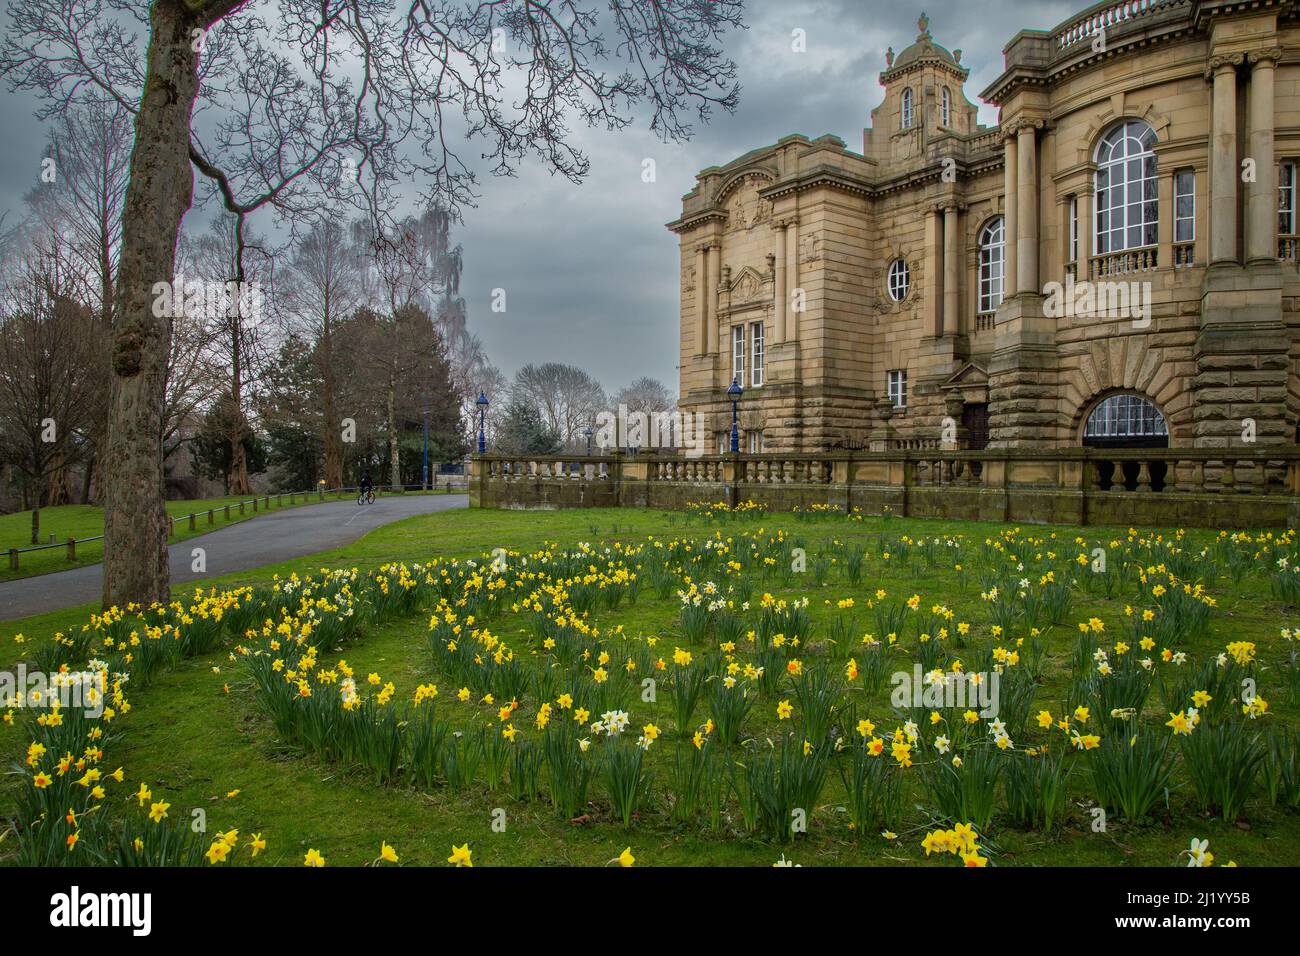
[269,538]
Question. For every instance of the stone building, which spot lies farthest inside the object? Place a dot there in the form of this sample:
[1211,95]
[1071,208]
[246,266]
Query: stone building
[1114,264]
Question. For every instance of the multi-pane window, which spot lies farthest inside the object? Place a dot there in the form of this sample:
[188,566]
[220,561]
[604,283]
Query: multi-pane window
[1125,416]
[756,353]
[1286,199]
[945,107]
[993,252]
[754,441]
[908,111]
[1184,206]
[738,353]
[898,387]
[1074,228]
[1128,208]
[900,280]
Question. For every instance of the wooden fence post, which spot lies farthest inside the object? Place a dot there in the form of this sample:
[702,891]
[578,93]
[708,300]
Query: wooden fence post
[13,559]
[72,549]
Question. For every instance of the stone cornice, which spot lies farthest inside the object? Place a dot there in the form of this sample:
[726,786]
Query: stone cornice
[695,220]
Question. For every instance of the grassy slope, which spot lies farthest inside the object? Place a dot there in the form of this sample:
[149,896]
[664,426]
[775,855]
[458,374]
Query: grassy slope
[193,743]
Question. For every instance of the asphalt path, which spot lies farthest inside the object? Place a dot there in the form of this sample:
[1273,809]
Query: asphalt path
[268,538]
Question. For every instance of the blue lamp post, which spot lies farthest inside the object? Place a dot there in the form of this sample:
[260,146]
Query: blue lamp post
[588,432]
[734,392]
[482,404]
[426,449]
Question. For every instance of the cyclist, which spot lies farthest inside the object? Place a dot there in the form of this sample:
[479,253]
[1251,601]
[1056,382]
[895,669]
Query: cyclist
[367,487]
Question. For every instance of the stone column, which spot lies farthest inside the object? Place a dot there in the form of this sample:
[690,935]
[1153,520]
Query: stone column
[779,286]
[1086,226]
[1223,162]
[715,257]
[701,297]
[934,268]
[1261,217]
[1063,237]
[1010,221]
[1166,181]
[1027,208]
[950,319]
[791,276]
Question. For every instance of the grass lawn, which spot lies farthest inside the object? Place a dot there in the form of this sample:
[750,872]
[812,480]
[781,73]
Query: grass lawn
[87,521]
[200,731]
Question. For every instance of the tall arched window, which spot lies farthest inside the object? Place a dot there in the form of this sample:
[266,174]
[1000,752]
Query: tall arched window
[906,122]
[945,107]
[993,251]
[1128,208]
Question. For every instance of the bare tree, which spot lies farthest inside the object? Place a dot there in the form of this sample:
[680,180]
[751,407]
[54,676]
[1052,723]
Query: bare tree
[80,198]
[90,147]
[568,397]
[322,286]
[646,394]
[194,376]
[51,380]
[234,271]
[291,97]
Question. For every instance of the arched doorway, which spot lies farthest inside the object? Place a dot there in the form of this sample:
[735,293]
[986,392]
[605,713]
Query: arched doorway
[1127,421]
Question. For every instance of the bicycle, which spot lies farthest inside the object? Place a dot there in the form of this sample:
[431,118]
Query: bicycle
[366,496]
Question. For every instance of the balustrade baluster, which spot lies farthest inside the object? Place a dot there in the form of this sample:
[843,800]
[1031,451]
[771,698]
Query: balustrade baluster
[1144,476]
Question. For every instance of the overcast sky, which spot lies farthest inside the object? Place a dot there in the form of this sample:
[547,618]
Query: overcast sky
[590,272]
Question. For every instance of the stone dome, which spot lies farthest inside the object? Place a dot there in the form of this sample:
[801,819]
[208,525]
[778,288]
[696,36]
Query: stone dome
[924,49]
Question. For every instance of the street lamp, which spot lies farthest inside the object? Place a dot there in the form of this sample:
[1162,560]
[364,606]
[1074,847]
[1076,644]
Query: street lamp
[426,449]
[587,431]
[482,404]
[734,391]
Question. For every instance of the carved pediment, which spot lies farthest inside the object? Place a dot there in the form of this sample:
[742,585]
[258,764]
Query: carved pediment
[969,375]
[746,286]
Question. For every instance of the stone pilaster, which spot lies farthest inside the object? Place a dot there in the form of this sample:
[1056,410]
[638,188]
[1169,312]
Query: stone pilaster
[1242,346]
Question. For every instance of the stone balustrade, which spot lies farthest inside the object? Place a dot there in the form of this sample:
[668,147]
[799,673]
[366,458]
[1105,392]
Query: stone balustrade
[1241,487]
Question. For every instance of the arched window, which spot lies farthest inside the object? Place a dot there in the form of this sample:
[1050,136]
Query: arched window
[945,107]
[993,252]
[907,109]
[1126,420]
[1128,209]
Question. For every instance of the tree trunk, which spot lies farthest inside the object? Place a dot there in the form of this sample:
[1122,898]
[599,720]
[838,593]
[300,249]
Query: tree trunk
[36,521]
[158,195]
[333,440]
[238,456]
[88,479]
[394,459]
[56,482]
